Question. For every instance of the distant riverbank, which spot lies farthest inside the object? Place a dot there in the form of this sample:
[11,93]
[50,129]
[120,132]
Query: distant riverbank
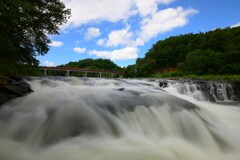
[179,75]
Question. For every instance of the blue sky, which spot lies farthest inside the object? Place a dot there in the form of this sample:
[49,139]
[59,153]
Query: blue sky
[124,30]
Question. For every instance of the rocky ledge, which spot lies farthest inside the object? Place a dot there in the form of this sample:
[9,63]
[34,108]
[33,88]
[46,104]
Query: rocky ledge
[211,88]
[236,89]
[12,87]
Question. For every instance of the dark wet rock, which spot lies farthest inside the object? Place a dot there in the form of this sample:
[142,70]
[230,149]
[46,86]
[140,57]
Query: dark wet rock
[12,87]
[163,84]
[121,89]
[236,89]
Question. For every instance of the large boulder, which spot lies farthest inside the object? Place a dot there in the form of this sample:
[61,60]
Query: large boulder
[12,87]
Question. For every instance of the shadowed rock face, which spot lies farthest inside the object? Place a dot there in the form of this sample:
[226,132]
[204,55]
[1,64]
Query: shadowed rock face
[12,87]
[236,89]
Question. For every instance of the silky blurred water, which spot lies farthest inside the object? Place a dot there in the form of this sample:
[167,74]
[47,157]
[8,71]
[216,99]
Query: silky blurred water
[68,118]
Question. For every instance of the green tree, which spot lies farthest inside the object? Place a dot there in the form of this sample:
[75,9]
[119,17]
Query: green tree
[130,71]
[203,62]
[25,26]
[101,64]
[145,66]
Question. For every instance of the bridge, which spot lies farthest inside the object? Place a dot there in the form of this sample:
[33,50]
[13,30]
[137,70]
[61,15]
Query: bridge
[85,71]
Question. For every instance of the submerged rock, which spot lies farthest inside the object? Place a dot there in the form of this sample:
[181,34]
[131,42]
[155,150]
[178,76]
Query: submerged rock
[12,87]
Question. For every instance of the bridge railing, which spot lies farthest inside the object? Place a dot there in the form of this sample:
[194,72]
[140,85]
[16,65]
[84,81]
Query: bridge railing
[84,70]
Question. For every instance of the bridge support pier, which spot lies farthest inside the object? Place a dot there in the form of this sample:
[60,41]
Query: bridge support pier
[45,72]
[67,73]
[100,75]
[85,74]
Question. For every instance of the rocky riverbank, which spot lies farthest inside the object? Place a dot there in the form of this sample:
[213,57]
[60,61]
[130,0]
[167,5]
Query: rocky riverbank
[12,87]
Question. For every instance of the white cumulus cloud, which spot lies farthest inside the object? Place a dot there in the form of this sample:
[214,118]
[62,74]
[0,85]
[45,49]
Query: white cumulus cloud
[87,11]
[56,43]
[119,37]
[79,50]
[92,33]
[118,54]
[235,25]
[101,42]
[48,63]
[146,7]
[163,21]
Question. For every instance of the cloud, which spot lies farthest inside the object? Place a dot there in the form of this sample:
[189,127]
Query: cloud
[123,37]
[163,21]
[92,33]
[48,63]
[118,54]
[157,22]
[119,37]
[101,42]
[235,25]
[84,12]
[79,50]
[56,44]
[146,7]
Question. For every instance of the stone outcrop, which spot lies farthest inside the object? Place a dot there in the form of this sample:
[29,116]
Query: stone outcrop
[12,87]
[236,89]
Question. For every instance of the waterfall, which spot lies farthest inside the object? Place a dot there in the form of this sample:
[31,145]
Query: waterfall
[115,119]
[203,90]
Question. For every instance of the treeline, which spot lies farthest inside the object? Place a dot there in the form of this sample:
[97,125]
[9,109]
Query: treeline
[93,64]
[214,52]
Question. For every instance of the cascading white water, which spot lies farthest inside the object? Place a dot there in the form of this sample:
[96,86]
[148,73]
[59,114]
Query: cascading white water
[106,119]
[209,91]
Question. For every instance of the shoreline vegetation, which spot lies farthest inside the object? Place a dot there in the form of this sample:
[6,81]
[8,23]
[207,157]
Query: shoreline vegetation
[178,75]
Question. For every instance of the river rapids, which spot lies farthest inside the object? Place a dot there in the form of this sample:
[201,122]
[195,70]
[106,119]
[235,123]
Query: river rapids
[68,118]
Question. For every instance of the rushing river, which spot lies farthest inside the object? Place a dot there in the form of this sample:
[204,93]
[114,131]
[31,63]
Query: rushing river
[116,119]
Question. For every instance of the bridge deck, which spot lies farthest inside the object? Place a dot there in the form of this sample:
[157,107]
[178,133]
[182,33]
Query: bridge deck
[80,70]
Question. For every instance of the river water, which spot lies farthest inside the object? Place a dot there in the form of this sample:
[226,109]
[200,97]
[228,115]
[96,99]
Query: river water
[118,119]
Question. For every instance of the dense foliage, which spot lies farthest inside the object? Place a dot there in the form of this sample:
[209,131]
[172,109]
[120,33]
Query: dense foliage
[25,26]
[95,64]
[213,52]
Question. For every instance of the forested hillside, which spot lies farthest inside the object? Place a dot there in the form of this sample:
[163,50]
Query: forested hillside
[95,64]
[213,52]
